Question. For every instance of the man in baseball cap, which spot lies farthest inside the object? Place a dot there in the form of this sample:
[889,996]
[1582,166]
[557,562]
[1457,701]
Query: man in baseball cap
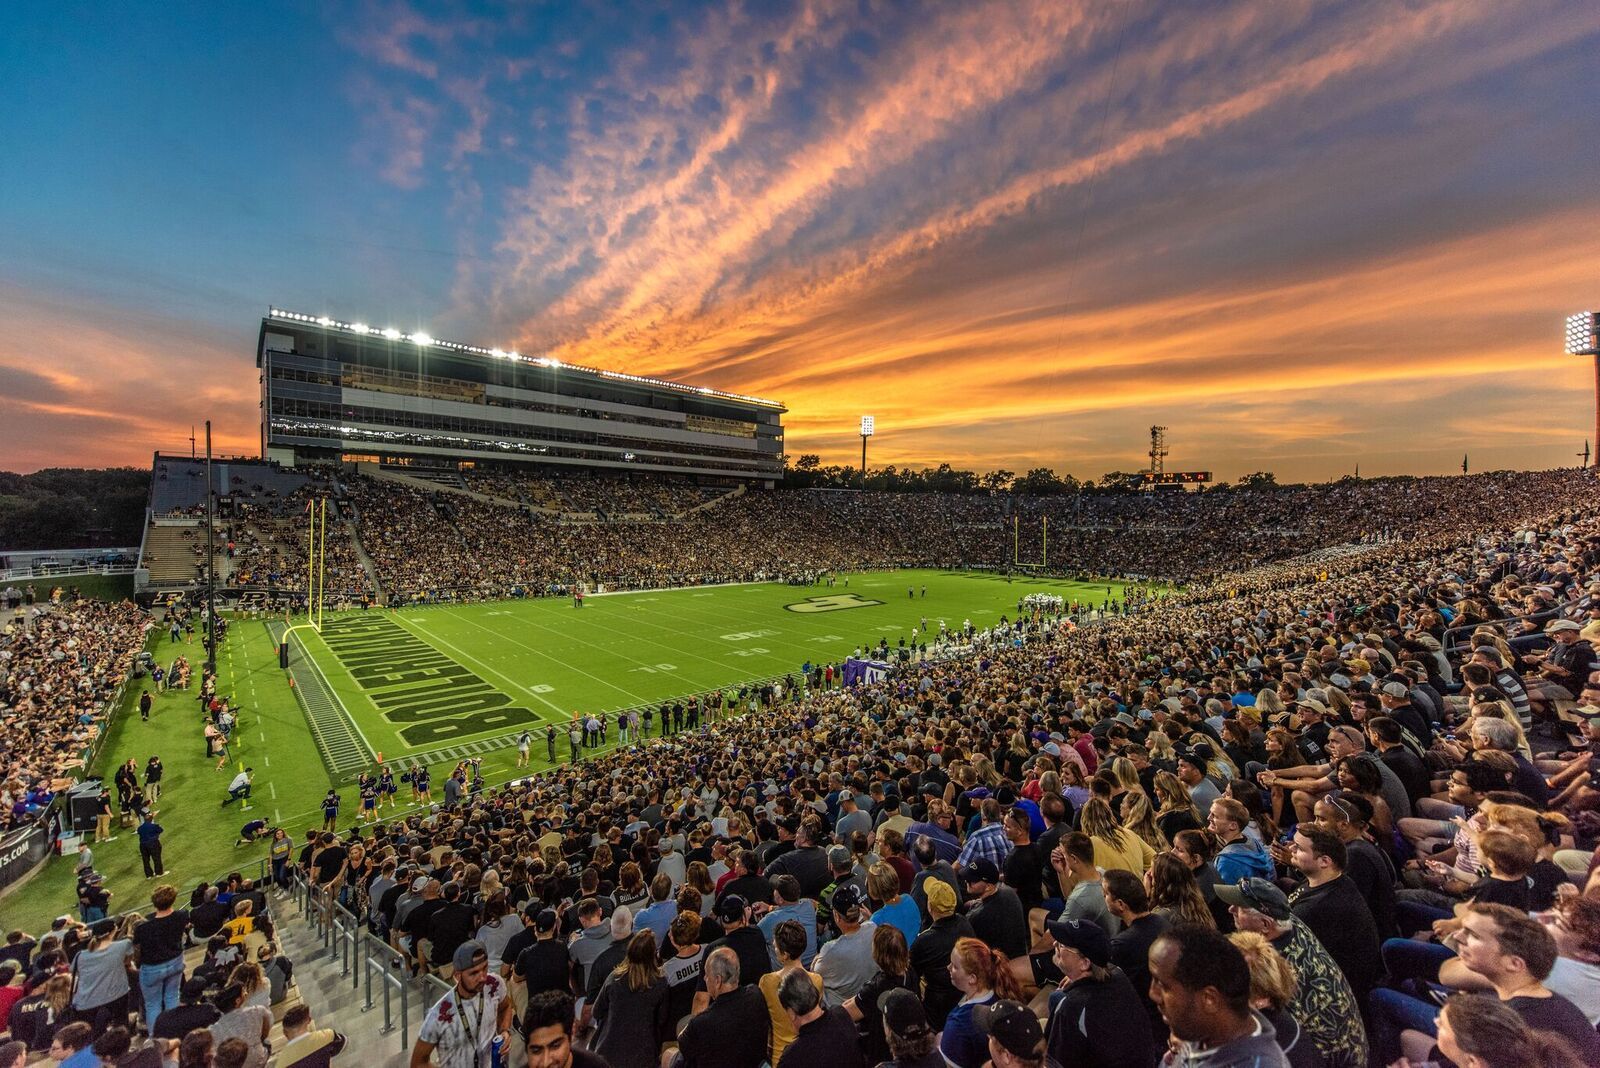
[463,1024]
[1015,1038]
[1563,667]
[1255,895]
[912,1040]
[1098,1017]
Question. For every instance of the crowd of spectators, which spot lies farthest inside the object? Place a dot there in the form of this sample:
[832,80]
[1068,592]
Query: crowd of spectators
[200,982]
[437,545]
[268,545]
[1282,820]
[60,668]
[1326,808]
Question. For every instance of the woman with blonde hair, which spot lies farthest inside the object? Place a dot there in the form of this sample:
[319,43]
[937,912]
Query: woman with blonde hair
[250,979]
[984,769]
[1127,775]
[1114,845]
[698,876]
[1176,810]
[1138,817]
[1272,987]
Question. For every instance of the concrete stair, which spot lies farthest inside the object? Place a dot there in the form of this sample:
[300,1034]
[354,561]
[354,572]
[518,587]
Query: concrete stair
[338,1001]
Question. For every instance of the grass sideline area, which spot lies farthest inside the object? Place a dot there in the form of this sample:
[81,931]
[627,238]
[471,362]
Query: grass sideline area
[534,661]
[98,587]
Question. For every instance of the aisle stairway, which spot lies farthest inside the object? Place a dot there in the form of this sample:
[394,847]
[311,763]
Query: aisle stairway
[337,992]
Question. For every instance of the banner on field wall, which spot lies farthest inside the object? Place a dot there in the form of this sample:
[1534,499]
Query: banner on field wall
[21,851]
[857,672]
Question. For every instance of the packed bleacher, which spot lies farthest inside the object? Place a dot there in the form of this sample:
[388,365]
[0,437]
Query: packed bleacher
[1332,809]
[60,668]
[1310,822]
[268,543]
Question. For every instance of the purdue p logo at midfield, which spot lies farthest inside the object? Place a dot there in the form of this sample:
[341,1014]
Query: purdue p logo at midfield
[835,603]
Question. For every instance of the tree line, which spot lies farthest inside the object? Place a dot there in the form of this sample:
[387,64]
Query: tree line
[72,508]
[808,472]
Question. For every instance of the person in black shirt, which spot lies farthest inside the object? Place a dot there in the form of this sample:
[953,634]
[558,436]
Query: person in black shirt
[449,926]
[1127,900]
[1330,904]
[209,916]
[745,940]
[735,1028]
[1386,735]
[192,1011]
[823,1037]
[329,860]
[1096,1018]
[622,925]
[546,964]
[1024,865]
[159,940]
[749,884]
[930,953]
[994,910]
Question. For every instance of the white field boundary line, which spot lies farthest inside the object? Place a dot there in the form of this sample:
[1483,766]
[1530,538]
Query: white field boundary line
[677,652]
[677,589]
[467,657]
[541,653]
[333,694]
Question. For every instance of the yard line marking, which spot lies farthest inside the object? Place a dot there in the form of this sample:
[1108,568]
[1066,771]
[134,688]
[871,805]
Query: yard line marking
[431,638]
[273,790]
[540,652]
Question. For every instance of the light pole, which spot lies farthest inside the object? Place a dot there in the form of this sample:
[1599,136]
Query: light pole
[1583,339]
[866,432]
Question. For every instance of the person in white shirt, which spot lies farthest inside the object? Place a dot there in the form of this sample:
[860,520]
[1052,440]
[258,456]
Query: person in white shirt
[463,1024]
[239,788]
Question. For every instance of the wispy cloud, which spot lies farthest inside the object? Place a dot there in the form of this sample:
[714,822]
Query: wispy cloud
[1019,231]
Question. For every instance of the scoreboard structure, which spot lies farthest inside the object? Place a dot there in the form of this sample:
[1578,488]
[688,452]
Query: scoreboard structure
[1169,481]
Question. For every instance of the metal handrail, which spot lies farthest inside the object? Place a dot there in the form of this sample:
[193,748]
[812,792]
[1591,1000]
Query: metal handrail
[363,955]
[1446,645]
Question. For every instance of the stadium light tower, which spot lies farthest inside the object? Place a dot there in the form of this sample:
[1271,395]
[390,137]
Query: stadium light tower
[867,428]
[1583,339]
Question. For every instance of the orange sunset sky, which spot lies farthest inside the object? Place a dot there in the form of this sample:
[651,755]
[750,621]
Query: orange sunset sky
[1302,235]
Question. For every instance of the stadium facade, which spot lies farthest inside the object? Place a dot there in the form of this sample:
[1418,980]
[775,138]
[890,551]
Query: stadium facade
[346,391]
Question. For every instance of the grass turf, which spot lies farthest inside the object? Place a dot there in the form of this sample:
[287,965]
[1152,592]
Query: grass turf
[423,679]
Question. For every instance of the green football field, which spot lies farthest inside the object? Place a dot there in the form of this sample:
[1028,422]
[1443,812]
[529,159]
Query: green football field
[434,685]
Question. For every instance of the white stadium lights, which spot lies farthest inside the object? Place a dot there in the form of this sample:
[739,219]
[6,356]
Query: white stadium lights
[391,334]
[867,424]
[1583,334]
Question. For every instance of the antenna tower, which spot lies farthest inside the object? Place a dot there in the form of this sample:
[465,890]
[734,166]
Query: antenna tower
[1158,450]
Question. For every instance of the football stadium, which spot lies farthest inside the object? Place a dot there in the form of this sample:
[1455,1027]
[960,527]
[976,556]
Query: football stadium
[801,536]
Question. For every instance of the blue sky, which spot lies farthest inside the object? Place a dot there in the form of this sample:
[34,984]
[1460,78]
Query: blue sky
[1301,234]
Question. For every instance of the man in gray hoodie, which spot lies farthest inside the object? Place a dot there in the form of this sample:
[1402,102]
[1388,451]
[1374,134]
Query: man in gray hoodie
[1201,983]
